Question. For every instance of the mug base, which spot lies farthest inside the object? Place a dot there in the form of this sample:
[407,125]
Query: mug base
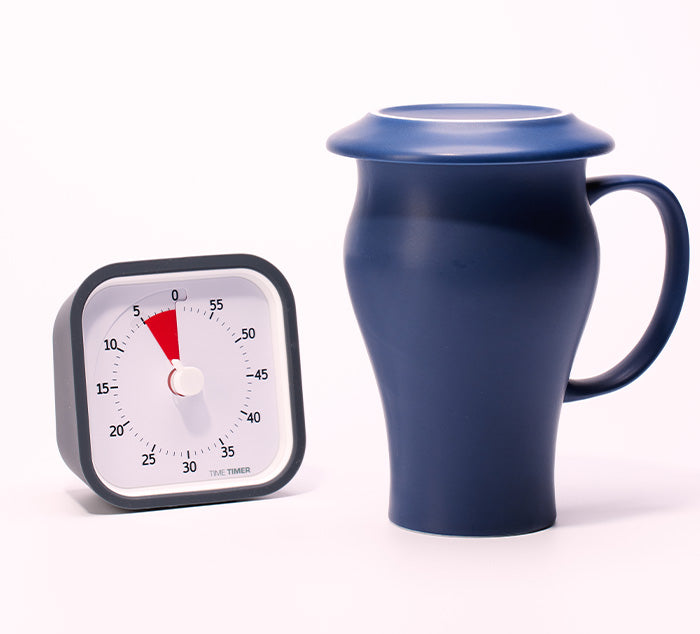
[473,530]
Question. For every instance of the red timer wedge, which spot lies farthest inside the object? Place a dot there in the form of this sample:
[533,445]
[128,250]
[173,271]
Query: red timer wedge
[164,328]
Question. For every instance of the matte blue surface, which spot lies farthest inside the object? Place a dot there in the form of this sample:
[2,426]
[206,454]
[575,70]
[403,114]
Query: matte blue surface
[471,314]
[472,284]
[469,133]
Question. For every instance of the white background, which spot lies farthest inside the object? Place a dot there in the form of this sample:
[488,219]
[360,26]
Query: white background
[134,130]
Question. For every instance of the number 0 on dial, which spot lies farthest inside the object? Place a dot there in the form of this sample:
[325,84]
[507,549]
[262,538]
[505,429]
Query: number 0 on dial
[178,381]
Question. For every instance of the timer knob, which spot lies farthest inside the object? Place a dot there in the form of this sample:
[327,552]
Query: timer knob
[185,380]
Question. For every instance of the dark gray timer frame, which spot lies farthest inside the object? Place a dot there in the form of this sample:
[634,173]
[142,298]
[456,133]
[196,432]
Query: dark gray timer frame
[72,429]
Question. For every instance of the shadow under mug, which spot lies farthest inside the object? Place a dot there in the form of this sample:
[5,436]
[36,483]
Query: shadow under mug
[472,258]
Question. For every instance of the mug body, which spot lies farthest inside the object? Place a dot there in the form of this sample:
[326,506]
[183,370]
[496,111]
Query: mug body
[471,284]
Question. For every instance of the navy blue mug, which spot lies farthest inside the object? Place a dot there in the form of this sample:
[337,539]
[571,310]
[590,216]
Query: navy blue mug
[471,258]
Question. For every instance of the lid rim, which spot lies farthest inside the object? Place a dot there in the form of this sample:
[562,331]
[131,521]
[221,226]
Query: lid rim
[552,136]
[392,112]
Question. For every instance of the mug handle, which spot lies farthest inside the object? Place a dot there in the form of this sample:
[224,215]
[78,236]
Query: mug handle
[672,289]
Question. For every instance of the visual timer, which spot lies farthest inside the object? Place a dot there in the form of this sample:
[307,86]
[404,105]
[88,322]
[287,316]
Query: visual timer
[177,381]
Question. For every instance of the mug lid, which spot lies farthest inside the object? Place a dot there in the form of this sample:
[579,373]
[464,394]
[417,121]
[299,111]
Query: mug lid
[469,133]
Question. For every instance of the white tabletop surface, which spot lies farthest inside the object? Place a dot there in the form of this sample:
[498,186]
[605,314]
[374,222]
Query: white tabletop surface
[150,129]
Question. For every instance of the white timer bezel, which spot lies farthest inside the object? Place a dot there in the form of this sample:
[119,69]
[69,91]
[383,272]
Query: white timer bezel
[279,348]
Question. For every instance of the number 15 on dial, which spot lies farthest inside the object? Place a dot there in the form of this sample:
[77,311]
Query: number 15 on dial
[178,381]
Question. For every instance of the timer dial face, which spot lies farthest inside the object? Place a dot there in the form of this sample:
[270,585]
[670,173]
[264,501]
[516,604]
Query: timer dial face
[187,382]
